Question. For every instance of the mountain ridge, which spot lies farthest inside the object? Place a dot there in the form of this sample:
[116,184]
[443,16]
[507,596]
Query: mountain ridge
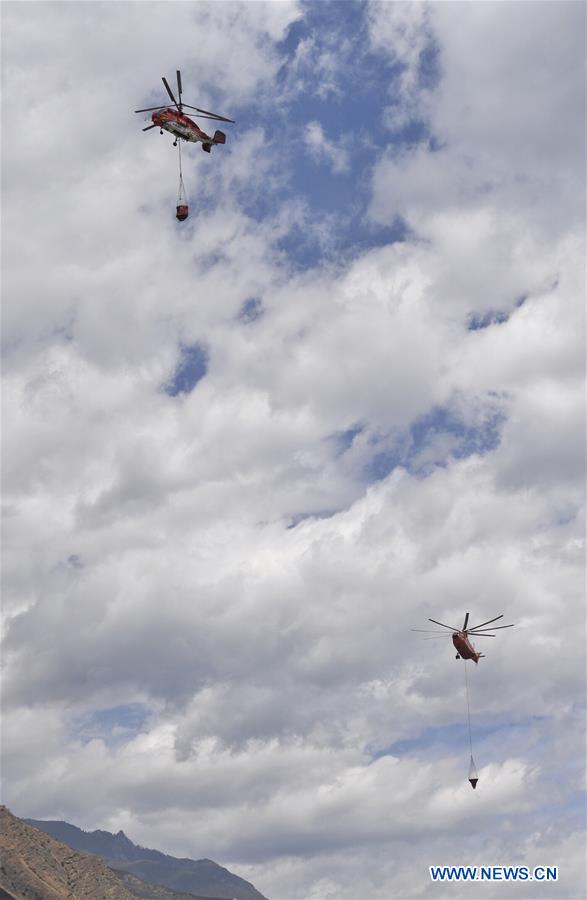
[203,877]
[36,866]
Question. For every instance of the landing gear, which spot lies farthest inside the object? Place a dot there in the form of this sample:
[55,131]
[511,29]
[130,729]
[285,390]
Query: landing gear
[457,656]
[175,143]
[161,131]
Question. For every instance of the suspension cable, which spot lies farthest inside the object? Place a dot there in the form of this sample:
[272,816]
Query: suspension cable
[181,197]
[468,707]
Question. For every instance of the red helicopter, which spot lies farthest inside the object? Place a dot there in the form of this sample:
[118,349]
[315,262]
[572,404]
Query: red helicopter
[460,637]
[180,125]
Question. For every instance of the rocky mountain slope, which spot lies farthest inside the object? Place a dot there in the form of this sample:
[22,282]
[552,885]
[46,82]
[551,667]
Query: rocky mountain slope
[35,866]
[202,877]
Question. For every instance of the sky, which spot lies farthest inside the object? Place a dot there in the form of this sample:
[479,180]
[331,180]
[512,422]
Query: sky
[245,454]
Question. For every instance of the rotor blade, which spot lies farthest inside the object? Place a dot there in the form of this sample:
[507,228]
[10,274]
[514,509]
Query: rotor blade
[148,128]
[214,118]
[168,89]
[486,623]
[443,625]
[151,108]
[495,628]
[178,73]
[429,631]
[481,635]
[437,638]
[207,112]
[464,628]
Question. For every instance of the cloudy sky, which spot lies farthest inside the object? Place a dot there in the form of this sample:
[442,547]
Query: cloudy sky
[244,455]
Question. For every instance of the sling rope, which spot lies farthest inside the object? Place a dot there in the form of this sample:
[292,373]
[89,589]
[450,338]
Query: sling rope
[181,193]
[468,708]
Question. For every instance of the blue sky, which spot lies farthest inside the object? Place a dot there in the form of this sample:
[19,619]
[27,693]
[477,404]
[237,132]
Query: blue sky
[113,725]
[246,453]
[349,111]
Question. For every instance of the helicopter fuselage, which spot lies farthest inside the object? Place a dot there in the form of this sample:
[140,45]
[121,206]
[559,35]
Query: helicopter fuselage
[181,126]
[464,647]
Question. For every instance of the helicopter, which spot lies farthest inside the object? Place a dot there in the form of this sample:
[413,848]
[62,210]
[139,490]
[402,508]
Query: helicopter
[180,125]
[460,637]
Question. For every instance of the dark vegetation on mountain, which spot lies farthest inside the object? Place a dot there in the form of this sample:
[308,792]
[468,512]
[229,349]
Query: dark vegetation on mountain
[202,877]
[146,891]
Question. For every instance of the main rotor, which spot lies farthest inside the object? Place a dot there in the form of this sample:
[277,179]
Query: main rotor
[477,631]
[179,104]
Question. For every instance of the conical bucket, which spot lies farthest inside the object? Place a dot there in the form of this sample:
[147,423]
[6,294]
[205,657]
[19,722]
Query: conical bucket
[181,210]
[473,777]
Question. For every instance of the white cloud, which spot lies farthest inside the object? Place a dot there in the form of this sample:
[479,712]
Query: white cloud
[147,557]
[507,113]
[320,65]
[402,32]
[324,149]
